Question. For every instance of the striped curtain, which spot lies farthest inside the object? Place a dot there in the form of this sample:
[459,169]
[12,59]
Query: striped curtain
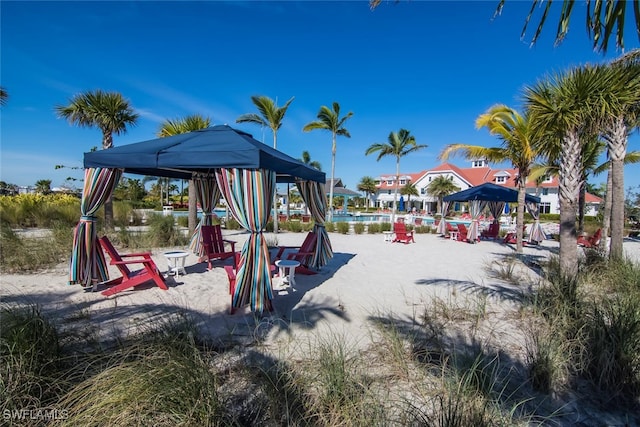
[475,207]
[313,195]
[88,264]
[536,235]
[442,225]
[208,194]
[496,209]
[249,195]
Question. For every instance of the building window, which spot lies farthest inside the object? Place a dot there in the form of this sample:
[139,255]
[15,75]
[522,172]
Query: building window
[403,181]
[545,191]
[377,182]
[545,207]
[546,178]
[478,163]
[501,179]
[429,179]
[423,191]
[389,182]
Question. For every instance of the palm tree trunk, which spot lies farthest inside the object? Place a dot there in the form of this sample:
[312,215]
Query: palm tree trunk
[606,214]
[520,215]
[617,152]
[581,203]
[275,195]
[333,171]
[193,207]
[395,193]
[107,142]
[570,176]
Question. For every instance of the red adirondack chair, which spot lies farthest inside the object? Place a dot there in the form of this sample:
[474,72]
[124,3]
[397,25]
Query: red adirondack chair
[450,229]
[513,238]
[214,245]
[402,235]
[591,241]
[302,253]
[492,233]
[130,278]
[462,232]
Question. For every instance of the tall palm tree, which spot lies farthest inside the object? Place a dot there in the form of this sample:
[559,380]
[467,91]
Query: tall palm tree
[329,119]
[516,133]
[4,96]
[184,125]
[620,107]
[306,159]
[368,185]
[440,187]
[399,144]
[270,116]
[562,109]
[108,111]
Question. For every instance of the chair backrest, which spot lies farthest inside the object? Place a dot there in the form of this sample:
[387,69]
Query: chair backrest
[306,218]
[309,244]
[449,226]
[399,228]
[114,255]
[595,239]
[462,231]
[212,238]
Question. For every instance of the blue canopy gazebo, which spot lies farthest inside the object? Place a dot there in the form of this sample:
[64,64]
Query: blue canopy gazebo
[224,162]
[495,196]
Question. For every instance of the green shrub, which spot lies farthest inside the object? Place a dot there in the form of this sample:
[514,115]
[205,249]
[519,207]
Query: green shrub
[28,254]
[294,226]
[330,226]
[343,227]
[163,232]
[423,229]
[183,221]
[385,226]
[373,228]
[232,224]
[358,228]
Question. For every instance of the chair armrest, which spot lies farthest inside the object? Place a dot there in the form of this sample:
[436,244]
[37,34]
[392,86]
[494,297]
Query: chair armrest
[281,250]
[140,254]
[133,261]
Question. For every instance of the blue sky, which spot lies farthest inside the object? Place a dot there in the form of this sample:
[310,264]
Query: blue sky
[429,67]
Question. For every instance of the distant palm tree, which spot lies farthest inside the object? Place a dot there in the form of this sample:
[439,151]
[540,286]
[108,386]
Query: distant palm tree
[329,119]
[399,144]
[306,159]
[368,185]
[108,111]
[517,136]
[440,187]
[270,116]
[174,127]
[4,96]
[409,190]
[43,186]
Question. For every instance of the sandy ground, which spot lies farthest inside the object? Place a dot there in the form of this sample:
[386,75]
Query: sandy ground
[367,278]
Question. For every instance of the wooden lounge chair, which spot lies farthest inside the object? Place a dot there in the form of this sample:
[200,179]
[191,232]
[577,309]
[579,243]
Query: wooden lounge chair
[214,245]
[402,235]
[450,230]
[302,253]
[591,241]
[129,278]
[492,232]
[513,238]
[462,232]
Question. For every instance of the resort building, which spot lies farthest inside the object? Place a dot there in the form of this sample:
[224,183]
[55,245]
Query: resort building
[478,173]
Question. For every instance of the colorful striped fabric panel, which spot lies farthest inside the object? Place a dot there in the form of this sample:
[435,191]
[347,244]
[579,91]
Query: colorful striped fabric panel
[314,197]
[208,194]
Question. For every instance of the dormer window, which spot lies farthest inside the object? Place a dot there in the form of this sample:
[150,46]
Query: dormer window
[389,182]
[501,179]
[403,181]
[547,178]
[478,163]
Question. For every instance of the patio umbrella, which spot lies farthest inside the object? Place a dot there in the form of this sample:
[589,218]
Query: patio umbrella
[401,204]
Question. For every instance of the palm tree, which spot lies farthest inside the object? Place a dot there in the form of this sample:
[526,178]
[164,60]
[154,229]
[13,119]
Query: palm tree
[562,109]
[409,190]
[516,133]
[602,19]
[43,186]
[620,107]
[329,119]
[174,127]
[108,111]
[368,185]
[4,96]
[306,159]
[399,145]
[270,116]
[440,187]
